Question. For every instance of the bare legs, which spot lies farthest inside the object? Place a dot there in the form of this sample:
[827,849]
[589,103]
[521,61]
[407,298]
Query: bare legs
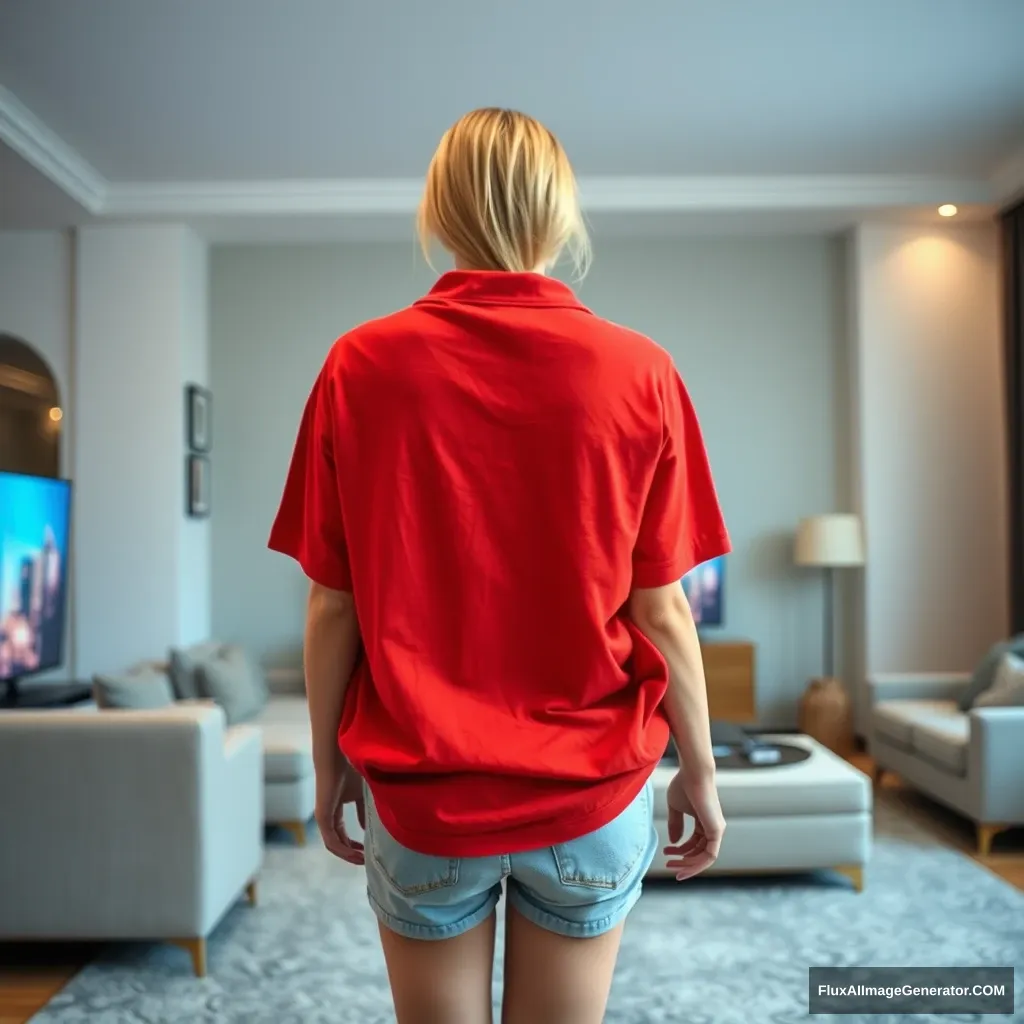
[447,981]
[549,979]
[552,979]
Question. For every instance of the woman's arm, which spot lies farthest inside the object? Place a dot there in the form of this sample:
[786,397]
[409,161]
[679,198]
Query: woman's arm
[330,654]
[329,658]
[663,615]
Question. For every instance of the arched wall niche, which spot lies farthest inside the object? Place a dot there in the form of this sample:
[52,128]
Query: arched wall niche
[31,416]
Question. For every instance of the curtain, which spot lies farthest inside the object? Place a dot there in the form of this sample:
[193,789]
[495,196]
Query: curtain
[1013,297]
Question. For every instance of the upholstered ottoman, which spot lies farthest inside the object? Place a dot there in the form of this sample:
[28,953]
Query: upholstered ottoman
[787,818]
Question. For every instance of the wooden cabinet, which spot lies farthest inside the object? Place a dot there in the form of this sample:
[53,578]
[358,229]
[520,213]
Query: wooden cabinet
[729,667]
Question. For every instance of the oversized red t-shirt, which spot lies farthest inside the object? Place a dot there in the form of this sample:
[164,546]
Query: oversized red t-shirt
[490,472]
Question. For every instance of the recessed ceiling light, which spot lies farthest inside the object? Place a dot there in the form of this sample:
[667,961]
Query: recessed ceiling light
[947,210]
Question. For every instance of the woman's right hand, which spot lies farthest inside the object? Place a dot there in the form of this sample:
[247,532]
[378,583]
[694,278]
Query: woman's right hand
[698,799]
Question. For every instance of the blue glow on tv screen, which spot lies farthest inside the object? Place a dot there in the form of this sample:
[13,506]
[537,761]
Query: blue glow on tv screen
[704,586]
[34,526]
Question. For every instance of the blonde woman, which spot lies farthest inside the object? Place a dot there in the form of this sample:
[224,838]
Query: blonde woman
[495,494]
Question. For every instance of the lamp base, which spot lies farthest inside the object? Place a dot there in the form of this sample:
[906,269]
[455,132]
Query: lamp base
[826,715]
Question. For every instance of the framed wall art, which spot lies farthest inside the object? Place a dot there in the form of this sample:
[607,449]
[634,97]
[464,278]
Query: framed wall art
[197,486]
[198,418]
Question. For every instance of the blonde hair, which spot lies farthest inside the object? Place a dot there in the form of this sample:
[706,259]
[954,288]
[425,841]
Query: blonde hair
[501,195]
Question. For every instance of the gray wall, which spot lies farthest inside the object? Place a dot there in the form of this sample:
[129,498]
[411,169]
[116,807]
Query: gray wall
[756,327]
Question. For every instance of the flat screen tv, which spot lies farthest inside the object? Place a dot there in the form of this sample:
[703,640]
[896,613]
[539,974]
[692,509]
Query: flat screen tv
[35,515]
[704,587]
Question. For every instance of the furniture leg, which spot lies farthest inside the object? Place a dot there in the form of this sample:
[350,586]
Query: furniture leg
[250,892]
[878,774]
[986,833]
[855,873]
[196,948]
[297,830]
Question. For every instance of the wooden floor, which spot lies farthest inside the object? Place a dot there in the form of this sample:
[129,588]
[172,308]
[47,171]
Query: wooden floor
[30,975]
[1007,857]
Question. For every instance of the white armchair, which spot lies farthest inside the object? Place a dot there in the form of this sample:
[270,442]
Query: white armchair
[127,824]
[971,761]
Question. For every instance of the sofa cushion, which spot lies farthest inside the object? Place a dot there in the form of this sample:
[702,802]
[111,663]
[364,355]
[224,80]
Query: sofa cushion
[895,719]
[233,682]
[287,742]
[138,689]
[942,740]
[184,664]
[985,674]
[1007,691]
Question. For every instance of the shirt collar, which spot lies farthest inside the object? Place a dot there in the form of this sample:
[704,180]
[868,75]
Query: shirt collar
[502,288]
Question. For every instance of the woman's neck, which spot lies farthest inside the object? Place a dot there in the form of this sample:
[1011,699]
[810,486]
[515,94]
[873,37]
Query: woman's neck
[461,265]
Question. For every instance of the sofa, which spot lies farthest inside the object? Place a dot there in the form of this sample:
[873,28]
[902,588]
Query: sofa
[273,702]
[972,761]
[142,825]
[289,790]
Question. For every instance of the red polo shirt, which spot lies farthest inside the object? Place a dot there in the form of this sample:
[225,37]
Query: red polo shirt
[490,472]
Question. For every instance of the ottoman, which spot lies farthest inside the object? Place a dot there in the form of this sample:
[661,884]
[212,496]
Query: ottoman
[787,818]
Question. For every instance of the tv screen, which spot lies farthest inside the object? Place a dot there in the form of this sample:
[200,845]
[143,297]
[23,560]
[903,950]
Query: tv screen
[704,587]
[34,525]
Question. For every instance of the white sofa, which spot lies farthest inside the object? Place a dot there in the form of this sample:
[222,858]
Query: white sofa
[283,724]
[970,761]
[289,788]
[128,825]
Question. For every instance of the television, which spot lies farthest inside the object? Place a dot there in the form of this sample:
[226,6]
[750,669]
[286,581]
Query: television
[35,514]
[704,586]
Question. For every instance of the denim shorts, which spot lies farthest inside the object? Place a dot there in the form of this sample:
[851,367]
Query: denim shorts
[580,888]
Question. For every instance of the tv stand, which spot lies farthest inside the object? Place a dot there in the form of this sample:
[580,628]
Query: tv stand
[22,696]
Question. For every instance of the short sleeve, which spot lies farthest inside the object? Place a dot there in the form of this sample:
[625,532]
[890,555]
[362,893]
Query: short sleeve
[309,525]
[682,524]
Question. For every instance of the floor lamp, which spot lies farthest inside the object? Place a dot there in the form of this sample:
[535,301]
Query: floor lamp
[829,542]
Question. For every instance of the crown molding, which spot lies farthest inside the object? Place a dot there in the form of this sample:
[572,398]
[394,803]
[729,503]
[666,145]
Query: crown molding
[355,197]
[857,194]
[260,198]
[1008,181]
[50,154]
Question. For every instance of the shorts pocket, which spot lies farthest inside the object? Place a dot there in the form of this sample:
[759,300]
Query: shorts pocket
[409,873]
[605,858]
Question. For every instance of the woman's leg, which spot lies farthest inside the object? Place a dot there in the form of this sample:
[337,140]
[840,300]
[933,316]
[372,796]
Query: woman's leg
[566,908]
[442,981]
[555,979]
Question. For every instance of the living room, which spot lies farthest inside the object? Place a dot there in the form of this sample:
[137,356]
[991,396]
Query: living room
[819,217]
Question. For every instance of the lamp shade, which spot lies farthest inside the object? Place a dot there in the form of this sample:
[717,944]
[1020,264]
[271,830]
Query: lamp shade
[831,541]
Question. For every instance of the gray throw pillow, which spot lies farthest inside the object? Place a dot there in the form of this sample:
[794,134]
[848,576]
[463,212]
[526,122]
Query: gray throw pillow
[234,683]
[146,688]
[184,667]
[985,674]
[1008,689]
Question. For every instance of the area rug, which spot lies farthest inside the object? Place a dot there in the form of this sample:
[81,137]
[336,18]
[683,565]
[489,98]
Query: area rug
[726,951]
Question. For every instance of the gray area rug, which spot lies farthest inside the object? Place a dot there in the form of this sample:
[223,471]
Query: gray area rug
[728,951]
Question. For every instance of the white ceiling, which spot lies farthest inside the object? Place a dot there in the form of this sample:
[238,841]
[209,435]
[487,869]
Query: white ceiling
[177,107]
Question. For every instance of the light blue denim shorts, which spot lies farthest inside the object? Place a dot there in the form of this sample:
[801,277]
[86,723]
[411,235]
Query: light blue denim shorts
[580,888]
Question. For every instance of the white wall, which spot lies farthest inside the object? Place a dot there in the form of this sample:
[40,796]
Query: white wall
[35,305]
[194,563]
[756,326]
[141,580]
[931,451]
